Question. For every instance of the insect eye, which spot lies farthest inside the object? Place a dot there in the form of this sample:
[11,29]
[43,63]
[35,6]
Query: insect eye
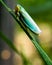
[16,10]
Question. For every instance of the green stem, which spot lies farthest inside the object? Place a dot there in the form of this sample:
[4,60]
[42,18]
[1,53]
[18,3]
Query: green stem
[8,9]
[9,43]
[25,61]
[41,51]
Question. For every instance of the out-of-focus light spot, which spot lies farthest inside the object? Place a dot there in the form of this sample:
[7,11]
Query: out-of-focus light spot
[45,35]
[24,45]
[38,61]
[5,54]
[17,59]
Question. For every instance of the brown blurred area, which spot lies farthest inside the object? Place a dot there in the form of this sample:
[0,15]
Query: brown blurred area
[41,12]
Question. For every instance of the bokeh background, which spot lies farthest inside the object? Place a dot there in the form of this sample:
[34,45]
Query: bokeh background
[41,12]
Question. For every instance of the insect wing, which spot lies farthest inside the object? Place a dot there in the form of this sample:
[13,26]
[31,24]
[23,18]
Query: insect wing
[30,23]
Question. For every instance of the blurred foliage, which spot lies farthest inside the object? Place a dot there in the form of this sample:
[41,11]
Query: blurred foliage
[38,9]
[41,12]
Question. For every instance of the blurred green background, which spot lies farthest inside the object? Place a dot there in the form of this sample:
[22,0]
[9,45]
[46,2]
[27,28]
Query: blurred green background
[41,12]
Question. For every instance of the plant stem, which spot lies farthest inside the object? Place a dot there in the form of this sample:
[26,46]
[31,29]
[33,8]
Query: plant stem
[25,60]
[41,51]
[5,5]
[11,45]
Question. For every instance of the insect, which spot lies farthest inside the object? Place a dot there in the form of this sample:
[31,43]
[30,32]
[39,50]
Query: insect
[26,19]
